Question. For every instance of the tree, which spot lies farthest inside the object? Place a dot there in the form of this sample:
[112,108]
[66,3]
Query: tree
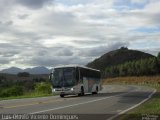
[124,48]
[23,74]
[149,66]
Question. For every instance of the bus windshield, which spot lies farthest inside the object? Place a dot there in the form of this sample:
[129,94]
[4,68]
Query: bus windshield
[63,77]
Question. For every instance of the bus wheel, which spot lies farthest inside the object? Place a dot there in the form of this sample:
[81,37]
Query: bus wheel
[62,95]
[82,92]
[95,91]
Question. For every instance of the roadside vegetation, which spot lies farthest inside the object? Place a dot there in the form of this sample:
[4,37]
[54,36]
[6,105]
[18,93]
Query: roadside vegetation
[149,66]
[23,86]
[141,80]
[150,108]
[17,92]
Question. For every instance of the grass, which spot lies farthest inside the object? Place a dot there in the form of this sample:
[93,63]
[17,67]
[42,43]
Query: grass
[28,95]
[144,80]
[151,108]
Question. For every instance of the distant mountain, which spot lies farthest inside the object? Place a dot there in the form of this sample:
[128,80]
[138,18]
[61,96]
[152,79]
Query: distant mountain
[35,70]
[116,57]
[12,70]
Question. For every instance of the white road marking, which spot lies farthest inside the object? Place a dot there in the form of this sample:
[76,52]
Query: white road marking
[126,110]
[78,103]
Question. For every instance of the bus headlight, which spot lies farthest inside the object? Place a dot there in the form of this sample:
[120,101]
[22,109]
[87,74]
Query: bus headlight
[72,89]
[53,90]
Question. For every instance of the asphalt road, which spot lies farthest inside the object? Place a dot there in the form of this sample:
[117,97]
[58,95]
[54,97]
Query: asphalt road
[109,103]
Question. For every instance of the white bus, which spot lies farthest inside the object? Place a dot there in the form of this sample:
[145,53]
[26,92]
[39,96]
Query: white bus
[76,80]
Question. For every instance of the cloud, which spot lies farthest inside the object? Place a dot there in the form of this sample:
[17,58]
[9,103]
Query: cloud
[94,52]
[34,4]
[50,33]
[4,60]
[65,55]
[23,16]
[153,51]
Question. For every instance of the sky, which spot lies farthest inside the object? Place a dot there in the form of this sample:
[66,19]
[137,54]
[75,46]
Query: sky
[58,32]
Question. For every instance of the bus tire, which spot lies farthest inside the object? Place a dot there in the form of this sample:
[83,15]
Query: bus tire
[95,92]
[61,95]
[82,92]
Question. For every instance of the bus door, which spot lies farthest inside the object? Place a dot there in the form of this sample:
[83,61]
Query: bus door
[85,83]
[91,83]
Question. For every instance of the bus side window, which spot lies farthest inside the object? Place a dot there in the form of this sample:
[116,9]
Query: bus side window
[77,75]
[81,75]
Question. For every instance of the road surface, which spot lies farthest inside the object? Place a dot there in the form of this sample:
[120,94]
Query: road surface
[112,101]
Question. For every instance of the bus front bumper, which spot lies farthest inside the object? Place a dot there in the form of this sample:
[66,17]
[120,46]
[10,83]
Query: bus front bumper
[65,91]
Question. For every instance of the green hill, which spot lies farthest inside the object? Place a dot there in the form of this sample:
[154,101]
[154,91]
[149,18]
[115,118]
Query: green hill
[116,57]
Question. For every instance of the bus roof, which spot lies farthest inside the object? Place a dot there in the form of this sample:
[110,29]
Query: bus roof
[65,66]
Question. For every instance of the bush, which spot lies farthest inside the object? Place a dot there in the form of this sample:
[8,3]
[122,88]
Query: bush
[43,87]
[12,91]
